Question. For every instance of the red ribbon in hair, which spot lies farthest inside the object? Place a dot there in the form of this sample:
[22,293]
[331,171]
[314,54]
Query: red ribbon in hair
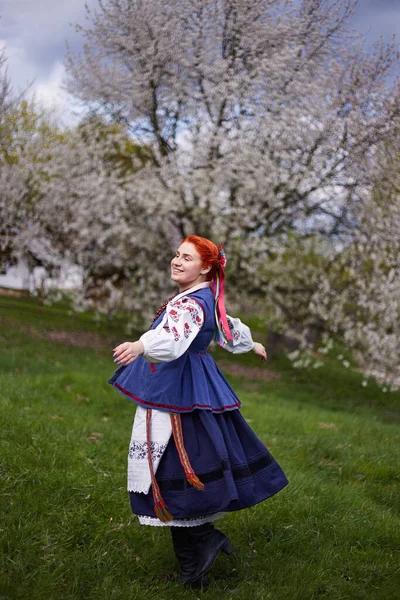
[224,334]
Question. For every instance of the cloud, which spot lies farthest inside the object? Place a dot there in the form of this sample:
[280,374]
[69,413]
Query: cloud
[49,93]
[34,34]
[43,85]
[20,69]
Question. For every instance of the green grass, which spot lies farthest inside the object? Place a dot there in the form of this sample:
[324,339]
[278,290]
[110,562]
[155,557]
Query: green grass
[67,531]
[30,311]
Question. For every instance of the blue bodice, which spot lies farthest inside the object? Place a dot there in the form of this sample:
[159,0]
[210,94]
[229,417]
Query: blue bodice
[192,381]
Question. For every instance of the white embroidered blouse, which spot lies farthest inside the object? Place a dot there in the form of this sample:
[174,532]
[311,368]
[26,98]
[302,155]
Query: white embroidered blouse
[181,323]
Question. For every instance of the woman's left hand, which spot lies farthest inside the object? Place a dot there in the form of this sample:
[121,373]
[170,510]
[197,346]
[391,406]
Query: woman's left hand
[126,353]
[260,350]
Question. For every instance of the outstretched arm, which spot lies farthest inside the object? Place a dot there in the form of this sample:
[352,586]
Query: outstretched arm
[242,340]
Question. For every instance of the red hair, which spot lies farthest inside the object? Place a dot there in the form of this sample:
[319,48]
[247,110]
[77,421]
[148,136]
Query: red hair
[213,256]
[208,251]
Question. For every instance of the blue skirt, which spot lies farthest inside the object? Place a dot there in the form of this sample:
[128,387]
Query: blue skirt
[236,468]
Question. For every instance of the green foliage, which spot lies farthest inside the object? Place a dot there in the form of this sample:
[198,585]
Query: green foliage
[24,122]
[125,155]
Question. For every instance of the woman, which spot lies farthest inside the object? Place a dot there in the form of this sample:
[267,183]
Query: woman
[188,428]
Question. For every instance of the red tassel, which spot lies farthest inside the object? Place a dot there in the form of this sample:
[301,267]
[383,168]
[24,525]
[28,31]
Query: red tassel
[160,508]
[195,481]
[162,512]
[177,432]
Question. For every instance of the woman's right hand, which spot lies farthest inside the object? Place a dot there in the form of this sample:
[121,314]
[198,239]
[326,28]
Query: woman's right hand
[260,350]
[126,353]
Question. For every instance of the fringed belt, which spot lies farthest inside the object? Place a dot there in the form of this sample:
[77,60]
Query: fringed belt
[160,507]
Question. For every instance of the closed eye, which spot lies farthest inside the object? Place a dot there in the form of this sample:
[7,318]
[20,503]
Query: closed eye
[185,256]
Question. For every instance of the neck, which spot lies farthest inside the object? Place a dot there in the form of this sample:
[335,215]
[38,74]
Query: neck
[187,287]
[183,288]
[193,288]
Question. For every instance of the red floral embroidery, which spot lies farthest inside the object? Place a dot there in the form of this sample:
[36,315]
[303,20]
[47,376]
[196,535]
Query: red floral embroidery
[197,320]
[174,315]
[167,329]
[176,312]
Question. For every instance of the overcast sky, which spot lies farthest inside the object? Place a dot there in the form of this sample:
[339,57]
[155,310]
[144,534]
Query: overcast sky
[34,33]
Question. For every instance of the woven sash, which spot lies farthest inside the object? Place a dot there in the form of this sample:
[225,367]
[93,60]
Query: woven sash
[160,508]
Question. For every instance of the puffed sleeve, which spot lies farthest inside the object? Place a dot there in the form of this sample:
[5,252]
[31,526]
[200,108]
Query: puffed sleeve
[182,321]
[241,334]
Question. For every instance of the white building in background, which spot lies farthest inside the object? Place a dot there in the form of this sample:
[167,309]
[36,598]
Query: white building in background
[20,277]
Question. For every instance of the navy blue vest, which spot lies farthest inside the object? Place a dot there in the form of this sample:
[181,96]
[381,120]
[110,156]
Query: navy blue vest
[192,381]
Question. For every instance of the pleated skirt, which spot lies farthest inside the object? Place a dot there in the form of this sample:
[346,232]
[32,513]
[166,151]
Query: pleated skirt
[236,468]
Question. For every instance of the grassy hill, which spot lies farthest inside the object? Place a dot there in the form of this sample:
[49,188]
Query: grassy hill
[67,530]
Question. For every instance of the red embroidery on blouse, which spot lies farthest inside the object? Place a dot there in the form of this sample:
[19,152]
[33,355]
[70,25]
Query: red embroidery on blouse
[174,315]
[177,336]
[176,312]
[197,320]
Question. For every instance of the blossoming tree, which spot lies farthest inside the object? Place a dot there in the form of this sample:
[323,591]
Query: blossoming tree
[266,125]
[265,119]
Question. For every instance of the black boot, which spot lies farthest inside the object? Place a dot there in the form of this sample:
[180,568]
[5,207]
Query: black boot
[209,542]
[186,553]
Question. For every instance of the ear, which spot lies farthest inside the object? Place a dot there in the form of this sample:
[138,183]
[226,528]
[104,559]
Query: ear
[206,270]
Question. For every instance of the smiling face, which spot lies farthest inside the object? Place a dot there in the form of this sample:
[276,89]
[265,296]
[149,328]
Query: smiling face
[186,267]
